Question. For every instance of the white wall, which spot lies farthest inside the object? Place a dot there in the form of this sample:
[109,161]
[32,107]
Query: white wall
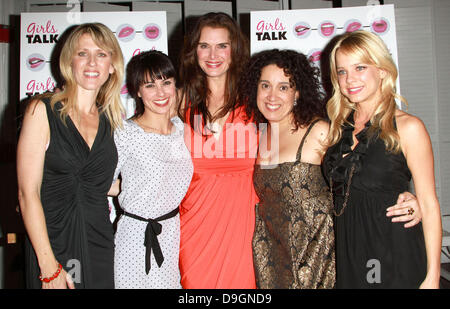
[423,34]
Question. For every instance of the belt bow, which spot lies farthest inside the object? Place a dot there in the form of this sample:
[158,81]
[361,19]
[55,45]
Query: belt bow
[153,229]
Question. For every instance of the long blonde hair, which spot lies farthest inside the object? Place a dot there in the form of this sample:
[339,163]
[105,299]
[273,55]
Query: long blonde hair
[108,98]
[370,49]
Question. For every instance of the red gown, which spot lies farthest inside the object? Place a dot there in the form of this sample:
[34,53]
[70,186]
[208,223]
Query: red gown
[218,212]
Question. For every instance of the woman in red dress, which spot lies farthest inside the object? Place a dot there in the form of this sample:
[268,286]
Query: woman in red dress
[217,214]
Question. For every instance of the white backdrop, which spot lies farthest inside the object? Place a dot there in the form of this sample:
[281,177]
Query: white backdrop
[135,31]
[309,31]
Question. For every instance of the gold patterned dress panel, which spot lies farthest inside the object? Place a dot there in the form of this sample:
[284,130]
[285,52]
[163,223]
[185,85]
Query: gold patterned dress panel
[293,243]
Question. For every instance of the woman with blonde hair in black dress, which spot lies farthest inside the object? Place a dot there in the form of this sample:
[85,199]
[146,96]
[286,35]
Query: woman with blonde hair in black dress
[66,158]
[374,150]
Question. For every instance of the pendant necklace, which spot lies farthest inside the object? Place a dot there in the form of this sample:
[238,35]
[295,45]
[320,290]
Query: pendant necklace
[152,128]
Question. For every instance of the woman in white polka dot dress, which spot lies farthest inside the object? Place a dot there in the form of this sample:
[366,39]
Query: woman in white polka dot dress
[156,170]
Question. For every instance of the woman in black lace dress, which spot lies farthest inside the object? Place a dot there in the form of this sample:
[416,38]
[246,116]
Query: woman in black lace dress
[375,149]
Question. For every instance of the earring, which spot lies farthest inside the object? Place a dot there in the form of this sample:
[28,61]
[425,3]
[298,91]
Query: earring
[295,102]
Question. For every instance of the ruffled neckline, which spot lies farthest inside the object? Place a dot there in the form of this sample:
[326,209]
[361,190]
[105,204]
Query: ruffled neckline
[340,165]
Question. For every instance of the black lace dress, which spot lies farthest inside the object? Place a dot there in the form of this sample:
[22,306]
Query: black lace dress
[371,251]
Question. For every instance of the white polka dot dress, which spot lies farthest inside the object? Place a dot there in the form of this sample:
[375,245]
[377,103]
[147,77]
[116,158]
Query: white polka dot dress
[156,171]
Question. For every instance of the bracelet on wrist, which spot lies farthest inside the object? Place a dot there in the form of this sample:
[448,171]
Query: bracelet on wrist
[53,277]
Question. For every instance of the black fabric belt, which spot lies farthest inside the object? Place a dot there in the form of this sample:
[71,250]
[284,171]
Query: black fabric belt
[152,230]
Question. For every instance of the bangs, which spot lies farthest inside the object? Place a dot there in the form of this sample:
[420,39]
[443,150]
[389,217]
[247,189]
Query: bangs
[154,69]
[150,75]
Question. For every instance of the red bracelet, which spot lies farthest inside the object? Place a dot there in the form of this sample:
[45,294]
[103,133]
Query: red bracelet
[53,277]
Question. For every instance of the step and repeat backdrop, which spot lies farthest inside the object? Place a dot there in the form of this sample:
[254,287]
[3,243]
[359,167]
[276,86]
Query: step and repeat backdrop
[307,31]
[40,33]
[310,31]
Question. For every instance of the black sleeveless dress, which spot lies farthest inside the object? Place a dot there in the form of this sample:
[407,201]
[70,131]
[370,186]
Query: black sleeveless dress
[372,251]
[293,243]
[74,191]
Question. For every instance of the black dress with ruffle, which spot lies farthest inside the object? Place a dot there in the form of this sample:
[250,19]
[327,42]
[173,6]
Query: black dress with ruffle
[371,251]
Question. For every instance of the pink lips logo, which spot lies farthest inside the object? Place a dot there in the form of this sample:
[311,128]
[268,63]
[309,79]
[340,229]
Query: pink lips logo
[124,90]
[35,62]
[353,25]
[314,55]
[302,30]
[152,32]
[125,32]
[327,28]
[380,26]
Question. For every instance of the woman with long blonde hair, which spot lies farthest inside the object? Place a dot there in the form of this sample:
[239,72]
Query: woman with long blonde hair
[66,158]
[108,97]
[374,150]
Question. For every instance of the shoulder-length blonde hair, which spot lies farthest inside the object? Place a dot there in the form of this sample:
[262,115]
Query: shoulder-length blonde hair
[108,98]
[369,49]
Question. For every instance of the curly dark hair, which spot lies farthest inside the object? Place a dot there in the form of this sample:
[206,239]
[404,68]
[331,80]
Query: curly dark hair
[303,76]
